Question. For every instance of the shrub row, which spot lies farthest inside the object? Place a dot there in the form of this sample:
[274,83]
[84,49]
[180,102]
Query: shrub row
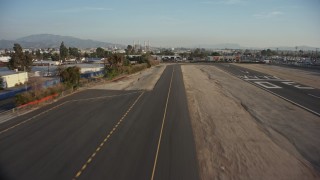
[33,95]
[134,68]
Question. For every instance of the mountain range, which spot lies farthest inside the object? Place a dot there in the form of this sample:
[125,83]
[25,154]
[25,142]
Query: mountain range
[237,46]
[52,41]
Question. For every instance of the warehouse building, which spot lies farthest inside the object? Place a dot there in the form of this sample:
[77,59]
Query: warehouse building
[11,78]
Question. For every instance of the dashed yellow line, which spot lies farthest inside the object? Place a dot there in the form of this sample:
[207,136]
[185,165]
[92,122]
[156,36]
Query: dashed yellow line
[93,155]
[160,136]
[90,159]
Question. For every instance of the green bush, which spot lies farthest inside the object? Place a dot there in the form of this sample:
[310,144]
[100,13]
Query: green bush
[70,76]
[112,73]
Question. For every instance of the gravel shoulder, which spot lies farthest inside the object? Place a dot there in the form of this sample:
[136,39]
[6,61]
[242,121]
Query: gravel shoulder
[143,80]
[242,132]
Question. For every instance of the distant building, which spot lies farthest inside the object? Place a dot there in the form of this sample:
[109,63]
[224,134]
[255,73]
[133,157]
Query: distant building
[120,51]
[46,63]
[234,58]
[11,78]
[4,60]
[95,60]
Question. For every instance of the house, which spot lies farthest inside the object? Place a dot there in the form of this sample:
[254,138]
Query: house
[12,78]
[5,59]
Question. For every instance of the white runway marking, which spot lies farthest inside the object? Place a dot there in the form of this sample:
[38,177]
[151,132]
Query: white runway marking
[297,85]
[314,96]
[268,85]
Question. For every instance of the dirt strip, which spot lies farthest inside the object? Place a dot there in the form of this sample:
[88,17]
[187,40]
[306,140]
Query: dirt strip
[230,142]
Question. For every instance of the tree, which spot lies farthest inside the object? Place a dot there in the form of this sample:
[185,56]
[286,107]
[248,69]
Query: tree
[86,55]
[63,51]
[70,76]
[200,53]
[107,53]
[19,60]
[115,61]
[38,54]
[55,57]
[93,55]
[129,49]
[300,52]
[145,58]
[215,54]
[74,52]
[167,52]
[100,52]
[184,54]
[46,55]
[269,52]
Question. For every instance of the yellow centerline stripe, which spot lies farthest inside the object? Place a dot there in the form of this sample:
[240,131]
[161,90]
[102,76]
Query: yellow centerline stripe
[90,159]
[163,120]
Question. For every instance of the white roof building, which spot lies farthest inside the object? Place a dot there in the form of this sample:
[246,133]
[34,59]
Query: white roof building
[5,59]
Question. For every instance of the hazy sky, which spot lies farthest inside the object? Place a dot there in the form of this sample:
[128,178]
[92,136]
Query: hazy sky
[252,23]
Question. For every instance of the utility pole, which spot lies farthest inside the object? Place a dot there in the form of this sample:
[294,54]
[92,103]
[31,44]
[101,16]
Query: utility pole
[48,69]
[296,52]
[277,55]
[139,45]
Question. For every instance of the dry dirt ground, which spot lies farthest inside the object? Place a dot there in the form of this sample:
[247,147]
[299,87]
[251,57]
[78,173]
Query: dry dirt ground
[242,132]
[143,80]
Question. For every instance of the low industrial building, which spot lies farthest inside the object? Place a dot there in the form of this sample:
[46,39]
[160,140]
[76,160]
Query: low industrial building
[46,63]
[11,78]
[223,58]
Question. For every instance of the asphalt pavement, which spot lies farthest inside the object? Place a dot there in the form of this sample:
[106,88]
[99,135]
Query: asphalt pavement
[301,95]
[104,134]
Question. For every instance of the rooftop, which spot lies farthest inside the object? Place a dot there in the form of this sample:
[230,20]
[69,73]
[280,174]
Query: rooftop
[5,73]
